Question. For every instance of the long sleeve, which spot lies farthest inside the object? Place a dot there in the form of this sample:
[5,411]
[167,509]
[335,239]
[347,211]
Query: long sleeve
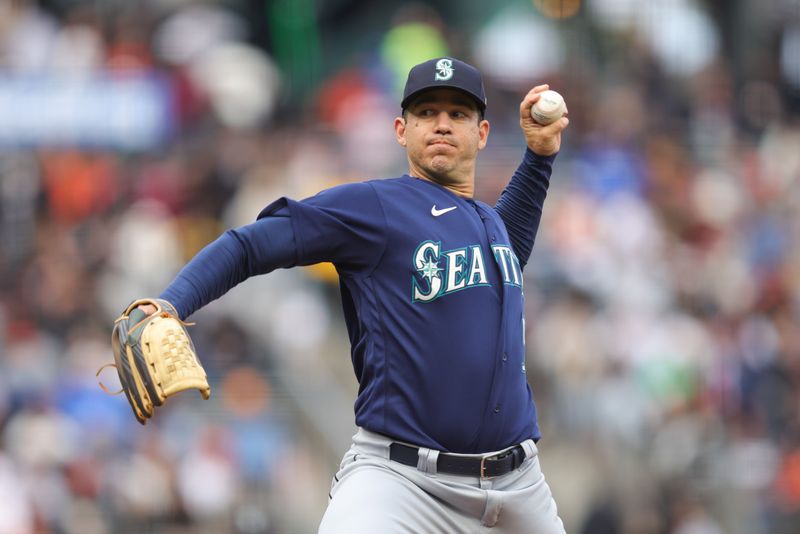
[236,255]
[520,204]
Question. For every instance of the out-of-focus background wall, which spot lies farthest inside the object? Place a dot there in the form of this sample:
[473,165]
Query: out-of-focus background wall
[663,294]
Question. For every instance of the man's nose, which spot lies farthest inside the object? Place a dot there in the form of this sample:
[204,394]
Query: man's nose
[443,123]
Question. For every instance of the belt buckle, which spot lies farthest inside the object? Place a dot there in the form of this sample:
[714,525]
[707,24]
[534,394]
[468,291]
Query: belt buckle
[495,457]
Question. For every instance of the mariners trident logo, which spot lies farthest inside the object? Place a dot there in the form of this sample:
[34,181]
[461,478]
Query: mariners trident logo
[444,70]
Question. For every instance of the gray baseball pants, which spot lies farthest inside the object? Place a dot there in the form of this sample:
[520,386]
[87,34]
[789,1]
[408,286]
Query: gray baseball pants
[372,494]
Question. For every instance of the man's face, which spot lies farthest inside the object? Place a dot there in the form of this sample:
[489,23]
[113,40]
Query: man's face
[442,131]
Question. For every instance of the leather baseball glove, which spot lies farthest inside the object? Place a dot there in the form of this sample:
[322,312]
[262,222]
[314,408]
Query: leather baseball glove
[154,357]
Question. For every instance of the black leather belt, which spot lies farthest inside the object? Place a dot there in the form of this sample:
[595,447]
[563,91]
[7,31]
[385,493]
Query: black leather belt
[483,467]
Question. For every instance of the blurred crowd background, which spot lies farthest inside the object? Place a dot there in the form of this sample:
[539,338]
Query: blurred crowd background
[663,293]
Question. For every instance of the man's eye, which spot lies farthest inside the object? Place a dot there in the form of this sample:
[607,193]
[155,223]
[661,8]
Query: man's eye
[426,113]
[459,115]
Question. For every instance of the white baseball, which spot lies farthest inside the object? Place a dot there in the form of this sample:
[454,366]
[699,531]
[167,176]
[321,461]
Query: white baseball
[549,108]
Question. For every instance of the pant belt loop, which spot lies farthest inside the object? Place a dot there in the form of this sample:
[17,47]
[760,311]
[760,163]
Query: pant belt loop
[427,460]
[530,448]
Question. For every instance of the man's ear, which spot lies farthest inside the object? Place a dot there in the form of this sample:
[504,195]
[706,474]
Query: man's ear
[483,133]
[400,130]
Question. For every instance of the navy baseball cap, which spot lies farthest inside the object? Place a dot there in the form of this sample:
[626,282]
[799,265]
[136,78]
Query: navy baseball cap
[445,72]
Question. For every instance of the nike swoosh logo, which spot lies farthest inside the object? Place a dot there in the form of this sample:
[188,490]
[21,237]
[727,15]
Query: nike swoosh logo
[436,212]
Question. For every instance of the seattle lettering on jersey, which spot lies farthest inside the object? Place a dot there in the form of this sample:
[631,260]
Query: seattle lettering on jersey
[462,268]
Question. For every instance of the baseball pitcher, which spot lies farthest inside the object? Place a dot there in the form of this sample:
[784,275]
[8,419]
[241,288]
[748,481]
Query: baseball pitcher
[432,290]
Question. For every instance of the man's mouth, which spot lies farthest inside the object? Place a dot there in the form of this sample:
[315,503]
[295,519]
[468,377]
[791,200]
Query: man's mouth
[444,142]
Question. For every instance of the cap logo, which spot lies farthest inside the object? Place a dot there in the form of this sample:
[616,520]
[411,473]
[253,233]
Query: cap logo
[444,70]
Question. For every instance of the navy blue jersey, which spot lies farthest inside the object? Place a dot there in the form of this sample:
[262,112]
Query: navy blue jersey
[431,286]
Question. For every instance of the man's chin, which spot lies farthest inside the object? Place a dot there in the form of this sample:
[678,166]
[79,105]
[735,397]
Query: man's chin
[442,166]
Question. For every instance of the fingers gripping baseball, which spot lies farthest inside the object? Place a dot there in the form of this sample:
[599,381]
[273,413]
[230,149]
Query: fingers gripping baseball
[542,139]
